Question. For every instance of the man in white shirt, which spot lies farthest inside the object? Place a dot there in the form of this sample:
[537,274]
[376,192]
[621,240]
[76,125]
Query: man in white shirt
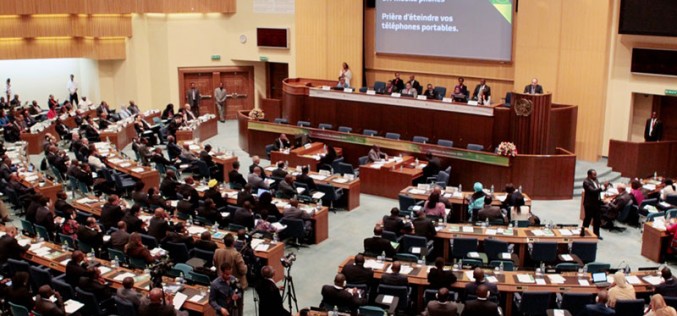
[220,96]
[482,92]
[72,87]
[409,90]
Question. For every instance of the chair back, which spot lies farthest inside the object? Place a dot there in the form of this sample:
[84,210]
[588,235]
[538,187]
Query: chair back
[394,136]
[42,232]
[445,143]
[371,311]
[406,257]
[420,139]
[389,235]
[345,168]
[89,300]
[507,265]
[625,212]
[585,250]
[203,168]
[17,265]
[671,213]
[671,199]
[18,310]
[81,217]
[441,92]
[65,289]
[335,163]
[39,276]
[493,248]
[535,303]
[269,148]
[544,251]
[178,252]
[652,216]
[57,173]
[138,263]
[442,179]
[461,246]
[566,267]
[369,132]
[200,278]
[116,254]
[593,267]
[325,126]
[235,227]
[402,292]
[68,240]
[629,307]
[28,227]
[295,228]
[345,129]
[179,268]
[379,86]
[303,123]
[363,160]
[280,120]
[406,202]
[149,241]
[476,147]
[124,307]
[575,302]
[408,242]
[207,256]
[329,192]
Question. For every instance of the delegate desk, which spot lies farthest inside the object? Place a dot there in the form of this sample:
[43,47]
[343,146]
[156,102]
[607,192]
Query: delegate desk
[543,176]
[69,119]
[205,128]
[223,158]
[265,249]
[149,177]
[655,241]
[50,255]
[41,185]
[385,178]
[308,155]
[119,134]
[642,159]
[457,199]
[320,218]
[520,237]
[35,140]
[510,282]
[351,188]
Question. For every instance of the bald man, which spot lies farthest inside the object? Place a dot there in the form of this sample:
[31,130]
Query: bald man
[339,295]
[600,307]
[10,246]
[478,275]
[159,304]
[45,306]
[533,88]
[442,306]
[394,277]
[481,306]
[270,300]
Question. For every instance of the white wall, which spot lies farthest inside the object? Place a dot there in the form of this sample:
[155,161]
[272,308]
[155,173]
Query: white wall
[36,79]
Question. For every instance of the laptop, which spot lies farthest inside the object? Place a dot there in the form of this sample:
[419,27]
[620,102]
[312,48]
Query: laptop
[600,280]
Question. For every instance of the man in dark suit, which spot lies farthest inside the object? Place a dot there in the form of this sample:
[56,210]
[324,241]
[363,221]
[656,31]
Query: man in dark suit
[205,242]
[173,149]
[653,129]
[235,178]
[119,238]
[356,273]
[279,172]
[600,308]
[489,211]
[378,244]
[534,87]
[169,185]
[398,83]
[424,226]
[158,226]
[285,189]
[438,277]
[91,234]
[393,222]
[592,202]
[481,89]
[338,295]
[394,277]
[415,84]
[132,221]
[92,282]
[669,286]
[611,210]
[306,179]
[244,216]
[10,246]
[478,275]
[432,168]
[193,98]
[158,304]
[270,300]
[481,306]
[111,212]
[441,306]
[45,306]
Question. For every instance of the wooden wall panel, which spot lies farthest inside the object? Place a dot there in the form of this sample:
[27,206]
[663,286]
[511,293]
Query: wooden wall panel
[186,6]
[328,33]
[66,26]
[26,7]
[100,49]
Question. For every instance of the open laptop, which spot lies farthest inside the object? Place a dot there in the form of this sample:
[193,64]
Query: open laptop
[600,280]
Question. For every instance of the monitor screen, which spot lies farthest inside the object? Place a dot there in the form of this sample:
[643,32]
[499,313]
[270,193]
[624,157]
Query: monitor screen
[599,277]
[643,17]
[261,191]
[468,29]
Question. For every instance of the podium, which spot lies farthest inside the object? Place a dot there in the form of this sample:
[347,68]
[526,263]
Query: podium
[530,123]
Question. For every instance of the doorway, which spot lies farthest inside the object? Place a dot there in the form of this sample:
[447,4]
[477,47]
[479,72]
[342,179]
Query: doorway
[237,80]
[276,72]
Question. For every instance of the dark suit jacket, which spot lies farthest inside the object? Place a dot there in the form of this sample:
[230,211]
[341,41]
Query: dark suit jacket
[215,195]
[189,96]
[440,278]
[74,272]
[307,180]
[10,249]
[424,227]
[598,310]
[119,239]
[591,199]
[487,91]
[538,89]
[432,168]
[279,173]
[667,288]
[471,288]
[379,245]
[111,215]
[358,274]
[657,133]
[168,187]
[156,309]
[435,308]
[20,295]
[158,228]
[270,300]
[90,237]
[99,290]
[394,279]
[134,224]
[393,224]
[47,308]
[206,245]
[480,308]
[237,178]
[341,297]
[243,217]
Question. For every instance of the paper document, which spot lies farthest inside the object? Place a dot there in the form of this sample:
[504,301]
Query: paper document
[468,229]
[470,276]
[556,279]
[373,264]
[540,282]
[653,280]
[122,276]
[196,298]
[633,279]
[583,282]
[179,299]
[138,169]
[567,258]
[491,279]
[565,232]
[388,299]
[72,306]
[255,242]
[525,278]
[196,230]
[278,227]
[261,247]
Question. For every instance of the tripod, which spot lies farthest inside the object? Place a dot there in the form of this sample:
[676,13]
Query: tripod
[289,292]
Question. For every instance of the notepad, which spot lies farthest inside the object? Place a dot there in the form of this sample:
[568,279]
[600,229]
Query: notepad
[492,279]
[565,232]
[653,280]
[138,169]
[196,230]
[196,298]
[525,278]
[72,306]
[262,247]
[104,269]
[468,229]
[567,257]
[179,299]
[122,276]
[373,264]
[583,282]
[540,282]
[633,279]
[387,299]
[556,279]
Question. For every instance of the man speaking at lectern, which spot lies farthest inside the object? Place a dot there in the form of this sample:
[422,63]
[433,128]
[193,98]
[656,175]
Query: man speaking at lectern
[653,130]
[534,87]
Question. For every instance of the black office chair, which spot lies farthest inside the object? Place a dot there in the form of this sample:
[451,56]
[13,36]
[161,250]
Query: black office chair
[629,307]
[363,160]
[493,248]
[269,148]
[532,303]
[543,251]
[124,307]
[402,292]
[460,247]
[585,250]
[149,241]
[92,306]
[39,277]
[407,202]
[421,139]
[445,143]
[207,256]
[574,302]
[294,233]
[345,129]
[390,236]
[17,266]
[441,92]
[566,267]
[303,123]
[203,169]
[346,168]
[379,86]
[395,136]
[331,194]
[280,120]
[178,252]
[412,243]
[369,132]
[66,291]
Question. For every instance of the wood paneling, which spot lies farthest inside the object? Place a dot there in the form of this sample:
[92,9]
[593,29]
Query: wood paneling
[100,49]
[186,6]
[329,33]
[66,26]
[236,79]
[642,159]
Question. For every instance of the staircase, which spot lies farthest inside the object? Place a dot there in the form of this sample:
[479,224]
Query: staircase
[604,174]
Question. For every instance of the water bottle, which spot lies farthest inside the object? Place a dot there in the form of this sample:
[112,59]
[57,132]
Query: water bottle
[501,267]
[190,221]
[460,188]
[179,280]
[114,263]
[276,238]
[215,228]
[64,247]
[543,267]
[492,189]
[655,175]
[497,271]
[335,311]
[486,222]
[460,264]
[91,255]
[416,162]
[286,164]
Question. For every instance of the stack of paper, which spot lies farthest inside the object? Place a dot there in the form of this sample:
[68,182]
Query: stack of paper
[72,306]
[567,257]
[653,280]
[127,164]
[633,279]
[525,278]
[373,264]
[468,229]
[179,299]
[565,232]
[341,180]
[583,282]
[196,230]
[469,275]
[556,279]
[262,247]
[122,276]
[491,279]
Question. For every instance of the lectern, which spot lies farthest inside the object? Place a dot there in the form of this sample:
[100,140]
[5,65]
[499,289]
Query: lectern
[530,123]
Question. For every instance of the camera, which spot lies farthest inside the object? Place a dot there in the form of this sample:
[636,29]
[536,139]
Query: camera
[288,260]
[157,270]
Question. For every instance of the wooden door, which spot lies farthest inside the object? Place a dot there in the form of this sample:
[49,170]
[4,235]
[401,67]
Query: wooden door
[276,73]
[238,82]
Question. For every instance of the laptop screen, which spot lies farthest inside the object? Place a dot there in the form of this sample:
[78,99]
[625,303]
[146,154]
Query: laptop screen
[261,191]
[599,277]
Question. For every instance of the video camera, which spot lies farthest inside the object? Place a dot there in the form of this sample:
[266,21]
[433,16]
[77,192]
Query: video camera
[288,260]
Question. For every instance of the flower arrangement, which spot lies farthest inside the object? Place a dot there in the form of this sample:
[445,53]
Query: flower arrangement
[256,114]
[506,149]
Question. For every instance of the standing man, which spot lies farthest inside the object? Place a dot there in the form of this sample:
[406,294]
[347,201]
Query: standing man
[193,98]
[398,83]
[534,87]
[72,87]
[415,84]
[482,92]
[653,130]
[592,202]
[220,96]
[270,300]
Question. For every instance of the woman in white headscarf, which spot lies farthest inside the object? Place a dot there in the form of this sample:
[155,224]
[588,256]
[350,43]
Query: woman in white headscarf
[621,290]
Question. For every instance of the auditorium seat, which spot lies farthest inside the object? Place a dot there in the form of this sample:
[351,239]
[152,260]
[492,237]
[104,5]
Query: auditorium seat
[441,92]
[475,147]
[345,129]
[379,85]
[325,126]
[303,123]
[445,143]
[369,132]
[420,139]
[394,136]
[280,120]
